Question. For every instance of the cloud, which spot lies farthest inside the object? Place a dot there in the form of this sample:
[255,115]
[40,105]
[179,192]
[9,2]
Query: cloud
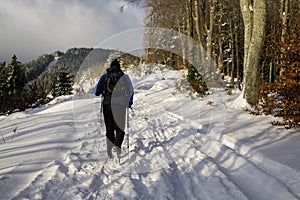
[33,27]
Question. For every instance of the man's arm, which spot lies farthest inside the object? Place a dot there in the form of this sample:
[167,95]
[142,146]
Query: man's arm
[130,90]
[99,87]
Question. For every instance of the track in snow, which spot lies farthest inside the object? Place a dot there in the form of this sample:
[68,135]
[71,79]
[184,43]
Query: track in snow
[170,157]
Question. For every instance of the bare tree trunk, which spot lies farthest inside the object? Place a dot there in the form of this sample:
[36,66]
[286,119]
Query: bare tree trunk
[232,46]
[189,18]
[199,31]
[247,14]
[220,54]
[253,54]
[271,75]
[211,28]
[284,12]
[238,77]
[190,29]
[181,28]
[197,22]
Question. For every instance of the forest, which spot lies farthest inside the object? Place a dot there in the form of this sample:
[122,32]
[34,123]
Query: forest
[254,43]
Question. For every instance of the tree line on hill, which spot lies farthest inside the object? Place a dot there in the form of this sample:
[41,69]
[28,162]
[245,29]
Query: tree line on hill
[37,82]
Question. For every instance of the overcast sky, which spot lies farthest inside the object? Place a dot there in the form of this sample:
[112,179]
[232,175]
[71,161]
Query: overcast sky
[29,28]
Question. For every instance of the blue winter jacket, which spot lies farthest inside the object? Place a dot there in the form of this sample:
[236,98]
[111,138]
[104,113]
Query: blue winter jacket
[126,100]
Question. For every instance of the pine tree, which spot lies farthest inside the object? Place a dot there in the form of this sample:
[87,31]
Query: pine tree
[64,83]
[15,77]
[2,79]
[3,86]
[196,81]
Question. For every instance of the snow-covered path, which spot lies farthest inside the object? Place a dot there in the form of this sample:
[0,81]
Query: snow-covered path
[178,149]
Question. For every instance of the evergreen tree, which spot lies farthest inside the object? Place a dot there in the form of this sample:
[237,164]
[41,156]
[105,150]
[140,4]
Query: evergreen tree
[64,83]
[15,77]
[196,81]
[3,86]
[2,79]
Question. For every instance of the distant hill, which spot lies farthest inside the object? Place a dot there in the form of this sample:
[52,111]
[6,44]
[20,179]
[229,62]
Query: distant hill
[46,76]
[71,60]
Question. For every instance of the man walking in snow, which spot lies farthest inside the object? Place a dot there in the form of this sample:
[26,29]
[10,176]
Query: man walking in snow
[116,88]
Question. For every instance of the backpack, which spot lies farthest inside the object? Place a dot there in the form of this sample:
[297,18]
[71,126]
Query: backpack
[114,83]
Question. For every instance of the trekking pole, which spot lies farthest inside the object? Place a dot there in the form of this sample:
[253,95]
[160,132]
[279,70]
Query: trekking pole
[128,131]
[100,122]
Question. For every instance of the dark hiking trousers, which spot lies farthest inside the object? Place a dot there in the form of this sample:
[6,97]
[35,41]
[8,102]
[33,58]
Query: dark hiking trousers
[114,118]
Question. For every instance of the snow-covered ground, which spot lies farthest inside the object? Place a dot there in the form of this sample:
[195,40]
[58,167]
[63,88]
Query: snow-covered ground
[179,148]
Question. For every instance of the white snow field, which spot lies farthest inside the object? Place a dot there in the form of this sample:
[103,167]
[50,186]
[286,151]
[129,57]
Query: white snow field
[179,148]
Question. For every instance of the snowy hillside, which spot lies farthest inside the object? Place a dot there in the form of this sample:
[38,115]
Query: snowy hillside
[179,148]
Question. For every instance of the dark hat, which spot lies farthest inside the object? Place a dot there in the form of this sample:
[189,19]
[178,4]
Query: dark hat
[115,65]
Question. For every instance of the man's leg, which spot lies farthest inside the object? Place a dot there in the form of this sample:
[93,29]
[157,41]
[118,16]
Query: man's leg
[119,122]
[109,124]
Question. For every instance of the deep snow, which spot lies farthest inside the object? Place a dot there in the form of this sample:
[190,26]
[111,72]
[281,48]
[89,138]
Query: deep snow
[179,148]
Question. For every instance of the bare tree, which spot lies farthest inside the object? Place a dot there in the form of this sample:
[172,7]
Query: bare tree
[254,16]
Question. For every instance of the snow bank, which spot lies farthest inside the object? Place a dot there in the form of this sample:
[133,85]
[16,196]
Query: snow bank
[179,148]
